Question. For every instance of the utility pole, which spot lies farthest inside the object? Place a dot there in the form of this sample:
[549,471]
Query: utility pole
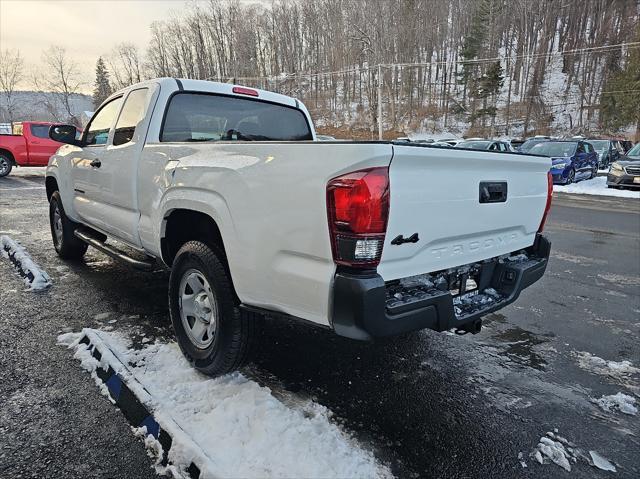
[379,101]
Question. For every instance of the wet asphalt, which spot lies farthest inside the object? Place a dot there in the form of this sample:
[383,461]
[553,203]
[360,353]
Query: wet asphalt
[428,404]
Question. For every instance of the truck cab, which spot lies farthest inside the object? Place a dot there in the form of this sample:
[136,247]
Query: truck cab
[28,144]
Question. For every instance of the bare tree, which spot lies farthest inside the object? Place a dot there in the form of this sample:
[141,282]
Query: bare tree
[61,77]
[125,65]
[11,74]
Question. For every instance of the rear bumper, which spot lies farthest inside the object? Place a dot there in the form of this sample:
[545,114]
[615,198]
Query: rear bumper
[363,309]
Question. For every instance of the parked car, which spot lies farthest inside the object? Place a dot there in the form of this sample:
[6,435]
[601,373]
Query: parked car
[623,145]
[29,145]
[625,171]
[570,160]
[531,142]
[225,186]
[516,143]
[489,145]
[607,152]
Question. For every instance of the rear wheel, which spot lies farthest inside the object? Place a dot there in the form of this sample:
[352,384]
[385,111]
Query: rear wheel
[65,242]
[5,165]
[214,334]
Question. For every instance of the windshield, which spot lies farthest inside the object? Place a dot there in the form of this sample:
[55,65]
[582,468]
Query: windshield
[635,151]
[550,148]
[474,145]
[527,145]
[600,145]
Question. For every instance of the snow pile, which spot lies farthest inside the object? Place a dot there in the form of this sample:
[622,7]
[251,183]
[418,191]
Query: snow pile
[618,402]
[595,186]
[552,448]
[232,425]
[598,365]
[34,276]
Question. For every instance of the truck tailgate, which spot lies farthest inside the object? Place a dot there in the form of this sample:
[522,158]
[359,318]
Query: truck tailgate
[438,194]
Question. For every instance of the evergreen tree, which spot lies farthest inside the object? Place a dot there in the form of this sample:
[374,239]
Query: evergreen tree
[620,100]
[102,87]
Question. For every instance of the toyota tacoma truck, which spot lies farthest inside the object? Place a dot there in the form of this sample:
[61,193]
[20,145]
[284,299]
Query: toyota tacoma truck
[28,145]
[226,186]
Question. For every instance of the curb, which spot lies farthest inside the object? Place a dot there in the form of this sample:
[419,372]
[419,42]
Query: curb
[135,411]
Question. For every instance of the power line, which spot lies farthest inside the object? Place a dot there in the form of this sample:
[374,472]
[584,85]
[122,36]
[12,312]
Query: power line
[367,68]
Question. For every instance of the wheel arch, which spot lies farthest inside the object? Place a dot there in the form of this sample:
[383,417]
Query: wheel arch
[51,185]
[8,154]
[181,225]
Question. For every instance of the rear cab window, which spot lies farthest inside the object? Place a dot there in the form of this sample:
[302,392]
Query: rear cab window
[196,117]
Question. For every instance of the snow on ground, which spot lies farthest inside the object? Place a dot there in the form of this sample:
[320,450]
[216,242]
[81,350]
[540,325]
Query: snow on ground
[618,402]
[33,276]
[28,171]
[551,448]
[595,186]
[554,448]
[601,366]
[237,427]
[601,462]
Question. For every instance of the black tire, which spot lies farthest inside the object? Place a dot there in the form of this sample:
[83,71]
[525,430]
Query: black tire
[6,165]
[64,241]
[594,172]
[235,331]
[572,177]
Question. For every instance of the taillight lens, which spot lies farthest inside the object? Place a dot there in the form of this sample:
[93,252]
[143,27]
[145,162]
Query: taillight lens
[547,207]
[358,209]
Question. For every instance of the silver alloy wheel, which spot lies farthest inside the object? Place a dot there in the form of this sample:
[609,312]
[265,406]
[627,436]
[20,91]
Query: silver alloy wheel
[198,309]
[4,166]
[57,224]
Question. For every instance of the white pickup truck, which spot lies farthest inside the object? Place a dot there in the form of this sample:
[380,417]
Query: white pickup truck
[227,186]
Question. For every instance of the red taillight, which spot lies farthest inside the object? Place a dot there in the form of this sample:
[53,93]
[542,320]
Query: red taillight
[358,209]
[547,207]
[240,90]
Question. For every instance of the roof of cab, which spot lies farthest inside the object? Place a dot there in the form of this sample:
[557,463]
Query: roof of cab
[205,86]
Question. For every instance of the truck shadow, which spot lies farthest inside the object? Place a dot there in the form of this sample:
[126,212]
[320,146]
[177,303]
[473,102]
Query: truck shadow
[402,394]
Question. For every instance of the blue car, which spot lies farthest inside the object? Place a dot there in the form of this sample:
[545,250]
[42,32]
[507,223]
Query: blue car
[571,160]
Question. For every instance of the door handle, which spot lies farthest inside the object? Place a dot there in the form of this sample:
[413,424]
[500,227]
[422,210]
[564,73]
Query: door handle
[95,163]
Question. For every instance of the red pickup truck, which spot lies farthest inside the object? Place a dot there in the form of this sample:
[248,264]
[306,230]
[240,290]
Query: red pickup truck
[29,145]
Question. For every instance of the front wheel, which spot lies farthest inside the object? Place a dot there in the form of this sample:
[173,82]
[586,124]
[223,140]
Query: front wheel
[67,245]
[572,176]
[5,165]
[594,172]
[214,334]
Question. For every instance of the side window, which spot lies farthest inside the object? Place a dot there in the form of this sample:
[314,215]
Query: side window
[133,112]
[98,129]
[503,146]
[41,131]
[493,147]
[588,148]
[580,148]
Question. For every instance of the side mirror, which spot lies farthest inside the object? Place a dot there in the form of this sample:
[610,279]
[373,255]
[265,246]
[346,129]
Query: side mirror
[64,134]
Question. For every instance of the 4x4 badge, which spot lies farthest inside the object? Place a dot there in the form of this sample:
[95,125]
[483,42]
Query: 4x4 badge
[401,239]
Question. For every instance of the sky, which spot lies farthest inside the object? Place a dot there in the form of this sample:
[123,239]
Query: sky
[86,28]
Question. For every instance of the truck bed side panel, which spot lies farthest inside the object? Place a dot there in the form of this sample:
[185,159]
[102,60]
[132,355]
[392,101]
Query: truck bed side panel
[269,200]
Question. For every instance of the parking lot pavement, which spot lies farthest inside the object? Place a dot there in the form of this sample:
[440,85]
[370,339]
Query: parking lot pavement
[430,405]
